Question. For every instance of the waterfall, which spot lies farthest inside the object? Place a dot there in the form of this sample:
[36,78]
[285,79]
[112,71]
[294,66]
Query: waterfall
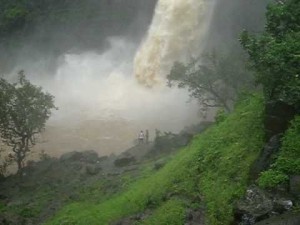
[177,32]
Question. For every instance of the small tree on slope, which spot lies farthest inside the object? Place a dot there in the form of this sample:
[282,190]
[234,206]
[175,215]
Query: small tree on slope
[24,110]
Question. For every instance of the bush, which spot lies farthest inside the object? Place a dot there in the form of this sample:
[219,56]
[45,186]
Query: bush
[271,178]
[288,160]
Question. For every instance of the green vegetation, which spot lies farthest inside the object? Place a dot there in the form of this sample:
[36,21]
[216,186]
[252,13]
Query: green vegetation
[225,155]
[171,212]
[214,166]
[212,172]
[24,110]
[288,159]
[31,209]
[275,54]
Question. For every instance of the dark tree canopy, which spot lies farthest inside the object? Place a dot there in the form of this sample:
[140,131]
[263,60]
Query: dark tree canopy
[24,110]
[275,54]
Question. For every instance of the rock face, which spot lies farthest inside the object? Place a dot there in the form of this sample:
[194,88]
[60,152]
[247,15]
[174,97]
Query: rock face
[254,207]
[295,185]
[277,117]
[93,169]
[86,156]
[265,158]
[286,219]
[124,161]
[258,205]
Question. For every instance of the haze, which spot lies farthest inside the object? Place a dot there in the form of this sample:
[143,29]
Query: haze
[101,104]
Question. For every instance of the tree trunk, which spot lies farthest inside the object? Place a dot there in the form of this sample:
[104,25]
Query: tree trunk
[19,162]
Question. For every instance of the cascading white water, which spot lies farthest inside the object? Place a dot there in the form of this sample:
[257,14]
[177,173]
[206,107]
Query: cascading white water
[176,33]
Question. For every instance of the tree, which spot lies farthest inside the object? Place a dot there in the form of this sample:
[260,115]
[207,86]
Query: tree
[275,54]
[24,110]
[213,80]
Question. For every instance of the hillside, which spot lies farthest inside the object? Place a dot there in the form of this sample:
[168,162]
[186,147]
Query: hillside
[206,182]
[207,176]
[239,166]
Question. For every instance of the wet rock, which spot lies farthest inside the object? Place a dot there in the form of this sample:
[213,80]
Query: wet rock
[102,158]
[266,157]
[295,185]
[71,156]
[286,219]
[93,169]
[86,156]
[125,161]
[90,156]
[3,197]
[277,117]
[255,206]
[282,205]
[258,205]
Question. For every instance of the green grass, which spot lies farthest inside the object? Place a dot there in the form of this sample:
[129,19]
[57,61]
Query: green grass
[215,165]
[225,154]
[288,159]
[170,213]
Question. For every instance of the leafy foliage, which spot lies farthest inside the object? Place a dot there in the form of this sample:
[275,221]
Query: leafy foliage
[275,54]
[271,178]
[213,80]
[24,110]
[288,160]
[171,212]
[225,155]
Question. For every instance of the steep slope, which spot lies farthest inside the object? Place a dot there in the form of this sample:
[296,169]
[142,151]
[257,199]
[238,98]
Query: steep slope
[208,176]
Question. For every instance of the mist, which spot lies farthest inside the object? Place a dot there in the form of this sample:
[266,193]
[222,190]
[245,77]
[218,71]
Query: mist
[102,106]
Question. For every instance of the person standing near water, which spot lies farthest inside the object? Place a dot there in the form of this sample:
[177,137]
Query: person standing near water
[141,137]
[147,136]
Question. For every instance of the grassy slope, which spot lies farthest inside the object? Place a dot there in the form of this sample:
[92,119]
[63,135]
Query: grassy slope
[215,166]
[287,161]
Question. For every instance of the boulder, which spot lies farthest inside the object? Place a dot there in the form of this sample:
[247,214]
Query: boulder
[124,161]
[255,206]
[256,202]
[86,156]
[90,156]
[93,169]
[258,205]
[282,205]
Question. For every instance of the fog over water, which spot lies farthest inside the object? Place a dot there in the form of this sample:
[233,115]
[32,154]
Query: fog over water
[104,97]
[102,106]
